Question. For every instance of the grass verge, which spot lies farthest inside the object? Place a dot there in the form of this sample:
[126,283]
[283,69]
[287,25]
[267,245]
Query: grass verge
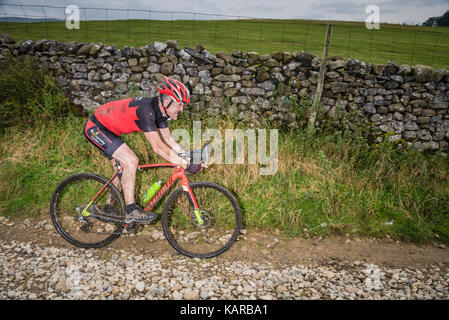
[324,185]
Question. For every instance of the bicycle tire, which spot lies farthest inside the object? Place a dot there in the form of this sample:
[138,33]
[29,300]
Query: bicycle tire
[67,186]
[234,216]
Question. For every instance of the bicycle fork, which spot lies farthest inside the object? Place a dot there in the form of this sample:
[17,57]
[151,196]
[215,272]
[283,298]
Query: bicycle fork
[196,210]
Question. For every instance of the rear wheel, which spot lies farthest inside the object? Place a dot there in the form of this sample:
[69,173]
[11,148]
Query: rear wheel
[85,224]
[219,213]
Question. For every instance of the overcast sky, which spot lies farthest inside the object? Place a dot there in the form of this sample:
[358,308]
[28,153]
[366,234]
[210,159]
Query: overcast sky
[392,11]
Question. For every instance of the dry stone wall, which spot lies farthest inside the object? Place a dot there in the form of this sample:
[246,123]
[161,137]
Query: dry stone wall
[408,103]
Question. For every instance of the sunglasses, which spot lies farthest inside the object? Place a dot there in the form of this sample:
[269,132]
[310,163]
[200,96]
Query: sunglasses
[173,100]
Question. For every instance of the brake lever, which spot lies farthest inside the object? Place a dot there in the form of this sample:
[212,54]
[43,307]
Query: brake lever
[191,154]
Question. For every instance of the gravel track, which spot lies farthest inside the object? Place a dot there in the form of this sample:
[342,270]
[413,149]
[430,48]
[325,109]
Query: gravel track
[40,265]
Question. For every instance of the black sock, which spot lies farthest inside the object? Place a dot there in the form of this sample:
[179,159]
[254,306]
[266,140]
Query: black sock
[130,208]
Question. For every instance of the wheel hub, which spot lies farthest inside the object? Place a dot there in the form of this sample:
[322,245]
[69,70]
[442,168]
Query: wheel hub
[205,216]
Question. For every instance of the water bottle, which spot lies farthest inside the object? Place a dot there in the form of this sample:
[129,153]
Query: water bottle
[151,191]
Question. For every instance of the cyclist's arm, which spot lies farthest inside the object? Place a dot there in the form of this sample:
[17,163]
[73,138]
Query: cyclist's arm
[166,136]
[164,150]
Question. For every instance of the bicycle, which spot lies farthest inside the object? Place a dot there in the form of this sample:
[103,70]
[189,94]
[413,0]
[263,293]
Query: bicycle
[199,219]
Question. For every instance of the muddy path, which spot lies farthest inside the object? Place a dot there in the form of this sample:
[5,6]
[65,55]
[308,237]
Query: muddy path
[252,246]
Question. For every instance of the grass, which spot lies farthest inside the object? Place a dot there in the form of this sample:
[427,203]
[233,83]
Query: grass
[27,92]
[401,44]
[340,189]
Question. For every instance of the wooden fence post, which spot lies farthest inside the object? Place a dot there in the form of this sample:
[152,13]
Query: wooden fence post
[320,85]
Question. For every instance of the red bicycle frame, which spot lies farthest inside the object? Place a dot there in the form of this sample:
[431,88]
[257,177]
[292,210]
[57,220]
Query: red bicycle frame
[178,173]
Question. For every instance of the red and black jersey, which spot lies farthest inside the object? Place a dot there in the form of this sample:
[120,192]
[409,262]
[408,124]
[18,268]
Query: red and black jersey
[132,114]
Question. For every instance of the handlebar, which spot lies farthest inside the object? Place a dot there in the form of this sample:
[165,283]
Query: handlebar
[202,154]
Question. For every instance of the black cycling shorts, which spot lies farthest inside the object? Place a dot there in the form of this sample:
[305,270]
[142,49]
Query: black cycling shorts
[106,141]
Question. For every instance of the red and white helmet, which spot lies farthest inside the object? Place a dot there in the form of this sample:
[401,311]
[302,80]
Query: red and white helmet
[175,89]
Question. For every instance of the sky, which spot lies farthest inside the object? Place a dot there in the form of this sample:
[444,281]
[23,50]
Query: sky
[390,11]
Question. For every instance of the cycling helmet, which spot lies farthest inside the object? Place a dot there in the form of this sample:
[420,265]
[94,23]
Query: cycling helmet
[175,89]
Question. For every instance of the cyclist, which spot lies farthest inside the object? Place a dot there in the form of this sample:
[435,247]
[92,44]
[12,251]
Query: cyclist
[148,115]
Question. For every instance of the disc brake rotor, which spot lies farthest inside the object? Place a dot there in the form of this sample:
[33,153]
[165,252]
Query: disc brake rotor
[205,216]
[83,221]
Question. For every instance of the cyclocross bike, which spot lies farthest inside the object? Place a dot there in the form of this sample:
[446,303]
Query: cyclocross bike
[199,219]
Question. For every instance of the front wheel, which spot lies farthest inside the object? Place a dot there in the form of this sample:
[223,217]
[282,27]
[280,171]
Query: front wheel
[220,215]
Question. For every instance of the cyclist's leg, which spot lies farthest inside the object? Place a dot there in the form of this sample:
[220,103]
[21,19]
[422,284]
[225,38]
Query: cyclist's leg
[129,162]
[116,181]
[106,142]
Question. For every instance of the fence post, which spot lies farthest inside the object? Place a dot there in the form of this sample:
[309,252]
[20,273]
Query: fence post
[193,30]
[320,85]
[283,35]
[171,25]
[238,31]
[26,22]
[149,26]
[107,26]
[46,21]
[413,48]
[260,34]
[215,34]
[86,24]
[127,23]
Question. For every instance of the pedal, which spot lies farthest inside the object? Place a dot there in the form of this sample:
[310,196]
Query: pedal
[133,227]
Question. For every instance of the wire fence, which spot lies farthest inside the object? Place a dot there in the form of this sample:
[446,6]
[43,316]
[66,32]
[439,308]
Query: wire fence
[217,32]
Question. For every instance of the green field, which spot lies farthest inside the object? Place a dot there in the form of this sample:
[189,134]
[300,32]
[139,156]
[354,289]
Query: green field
[401,44]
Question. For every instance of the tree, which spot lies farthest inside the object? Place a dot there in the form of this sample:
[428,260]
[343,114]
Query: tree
[431,22]
[442,21]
